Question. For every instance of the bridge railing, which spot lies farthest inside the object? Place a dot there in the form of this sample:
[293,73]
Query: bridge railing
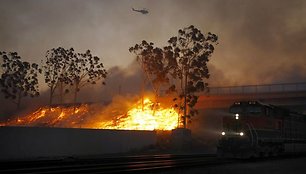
[254,89]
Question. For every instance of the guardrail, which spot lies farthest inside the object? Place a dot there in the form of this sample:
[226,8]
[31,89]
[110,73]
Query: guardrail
[263,88]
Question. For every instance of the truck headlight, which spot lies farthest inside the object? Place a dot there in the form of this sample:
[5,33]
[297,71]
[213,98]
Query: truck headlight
[241,133]
[223,133]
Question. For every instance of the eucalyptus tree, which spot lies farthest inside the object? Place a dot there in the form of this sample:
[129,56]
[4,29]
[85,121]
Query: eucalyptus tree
[18,78]
[182,65]
[191,50]
[56,71]
[153,64]
[85,69]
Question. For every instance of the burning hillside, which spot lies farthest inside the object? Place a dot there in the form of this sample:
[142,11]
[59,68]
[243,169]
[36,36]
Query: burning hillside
[149,116]
[140,116]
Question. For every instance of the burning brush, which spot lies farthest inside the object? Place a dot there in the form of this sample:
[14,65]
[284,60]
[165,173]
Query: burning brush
[142,116]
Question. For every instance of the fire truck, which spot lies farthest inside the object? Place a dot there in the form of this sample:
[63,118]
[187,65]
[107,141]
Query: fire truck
[254,129]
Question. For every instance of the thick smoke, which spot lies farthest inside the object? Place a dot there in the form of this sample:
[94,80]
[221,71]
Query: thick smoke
[259,41]
[123,85]
[120,81]
[268,35]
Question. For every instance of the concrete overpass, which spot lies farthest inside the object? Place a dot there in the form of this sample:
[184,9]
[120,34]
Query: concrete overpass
[290,95]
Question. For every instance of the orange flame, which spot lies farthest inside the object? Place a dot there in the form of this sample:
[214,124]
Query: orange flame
[150,116]
[50,117]
[146,116]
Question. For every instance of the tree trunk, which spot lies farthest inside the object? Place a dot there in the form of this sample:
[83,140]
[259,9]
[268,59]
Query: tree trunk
[76,90]
[18,100]
[61,93]
[51,96]
[185,100]
[142,95]
[142,88]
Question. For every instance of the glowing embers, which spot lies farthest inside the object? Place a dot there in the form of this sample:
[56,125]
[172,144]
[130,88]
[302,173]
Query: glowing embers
[58,116]
[146,116]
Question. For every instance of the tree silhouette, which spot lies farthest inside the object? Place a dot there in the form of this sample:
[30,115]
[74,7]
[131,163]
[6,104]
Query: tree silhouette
[85,69]
[184,61]
[56,71]
[191,49]
[153,64]
[18,78]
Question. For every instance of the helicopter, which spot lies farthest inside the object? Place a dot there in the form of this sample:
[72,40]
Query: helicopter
[143,11]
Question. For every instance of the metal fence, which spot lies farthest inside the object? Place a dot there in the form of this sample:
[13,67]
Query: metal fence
[265,88]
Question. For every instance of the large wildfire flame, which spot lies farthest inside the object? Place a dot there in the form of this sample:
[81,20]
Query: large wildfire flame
[143,116]
[149,116]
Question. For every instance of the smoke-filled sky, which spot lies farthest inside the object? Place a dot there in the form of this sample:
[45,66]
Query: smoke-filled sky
[262,41]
